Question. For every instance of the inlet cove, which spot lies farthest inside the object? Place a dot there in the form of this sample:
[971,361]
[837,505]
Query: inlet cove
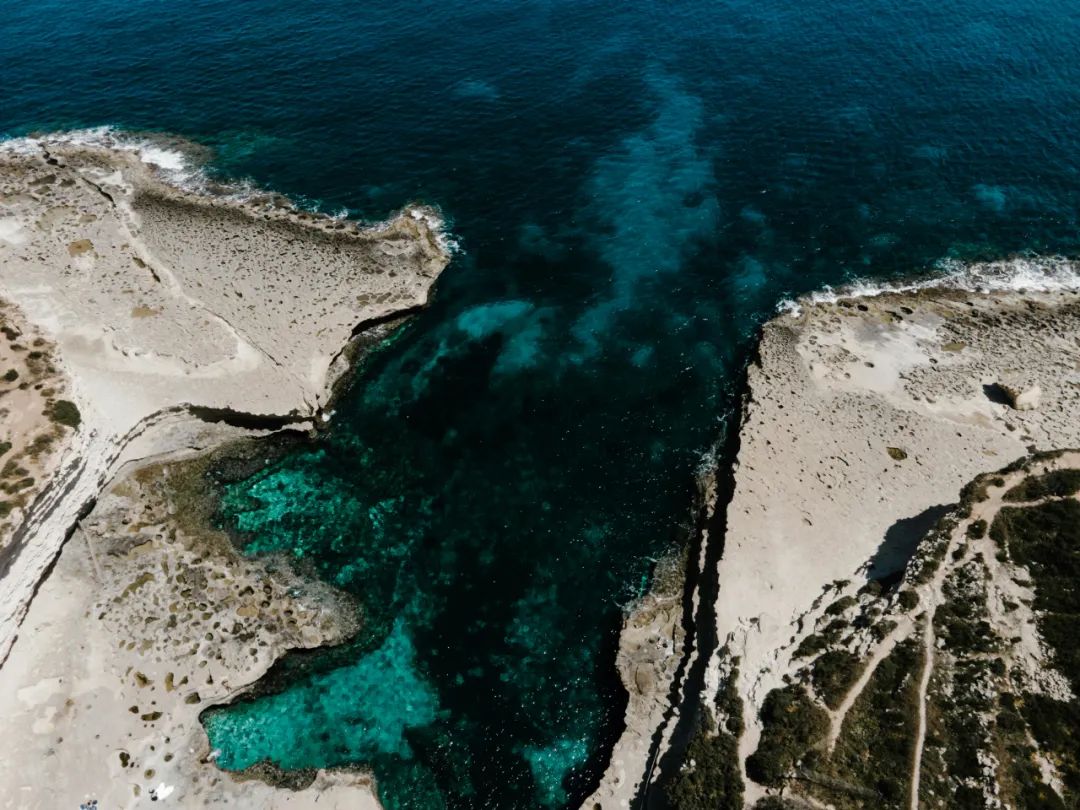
[547,405]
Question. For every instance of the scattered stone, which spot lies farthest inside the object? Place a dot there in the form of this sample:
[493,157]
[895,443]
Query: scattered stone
[1021,396]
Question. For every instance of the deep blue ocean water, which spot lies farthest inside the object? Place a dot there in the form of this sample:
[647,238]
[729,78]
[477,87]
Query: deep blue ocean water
[634,187]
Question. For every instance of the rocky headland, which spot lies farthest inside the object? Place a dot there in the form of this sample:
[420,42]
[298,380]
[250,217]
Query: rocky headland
[860,602]
[145,328]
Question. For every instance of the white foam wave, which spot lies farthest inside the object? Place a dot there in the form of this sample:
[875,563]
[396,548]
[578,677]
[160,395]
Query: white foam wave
[166,159]
[172,163]
[1016,274]
[183,169]
[431,217]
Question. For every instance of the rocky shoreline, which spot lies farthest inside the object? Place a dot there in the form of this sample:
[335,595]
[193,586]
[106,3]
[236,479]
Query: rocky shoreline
[174,323]
[863,420]
[177,322]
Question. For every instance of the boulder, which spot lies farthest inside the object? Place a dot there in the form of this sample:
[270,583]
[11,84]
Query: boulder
[1022,396]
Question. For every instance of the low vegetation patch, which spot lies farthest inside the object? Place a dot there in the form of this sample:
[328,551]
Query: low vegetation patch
[1022,785]
[1054,725]
[961,621]
[1053,484]
[791,725]
[871,764]
[1045,540]
[964,708]
[710,778]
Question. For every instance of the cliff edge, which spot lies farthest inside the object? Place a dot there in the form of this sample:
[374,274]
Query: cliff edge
[849,539]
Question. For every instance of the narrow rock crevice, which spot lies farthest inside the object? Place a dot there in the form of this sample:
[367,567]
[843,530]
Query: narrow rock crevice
[690,696]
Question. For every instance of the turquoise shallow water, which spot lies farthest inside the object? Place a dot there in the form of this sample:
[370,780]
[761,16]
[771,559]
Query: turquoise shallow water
[634,186]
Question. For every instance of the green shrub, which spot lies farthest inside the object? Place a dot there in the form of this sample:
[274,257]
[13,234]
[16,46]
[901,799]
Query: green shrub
[710,779]
[908,599]
[840,605]
[65,412]
[872,587]
[791,724]
[834,629]
[881,630]
[810,645]
[972,493]
[729,702]
[1009,720]
[1053,484]
[833,674]
[976,530]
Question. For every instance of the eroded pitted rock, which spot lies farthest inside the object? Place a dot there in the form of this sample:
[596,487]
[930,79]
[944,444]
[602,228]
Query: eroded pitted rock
[171,619]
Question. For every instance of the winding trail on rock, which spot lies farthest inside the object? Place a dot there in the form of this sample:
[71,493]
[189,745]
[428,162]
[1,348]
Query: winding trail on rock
[924,685]
[932,593]
[881,652]
[930,596]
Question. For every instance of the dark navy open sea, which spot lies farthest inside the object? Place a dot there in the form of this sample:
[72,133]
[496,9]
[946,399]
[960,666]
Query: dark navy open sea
[634,186]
